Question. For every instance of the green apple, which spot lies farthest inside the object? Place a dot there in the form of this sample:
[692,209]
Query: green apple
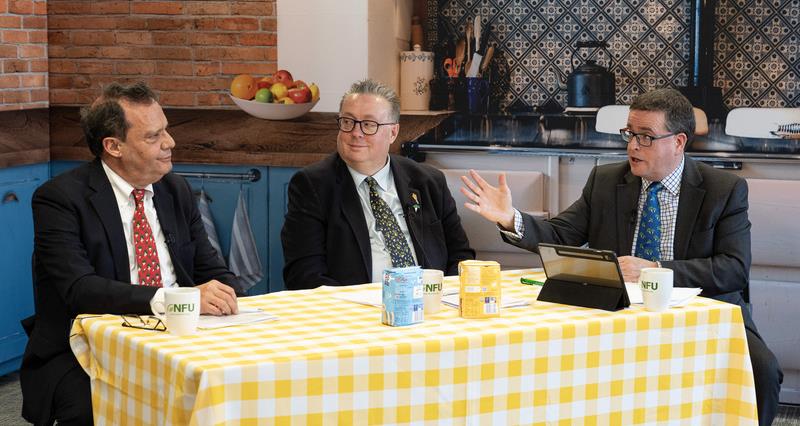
[264,95]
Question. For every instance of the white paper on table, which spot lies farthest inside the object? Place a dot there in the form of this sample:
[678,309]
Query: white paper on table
[370,297]
[680,295]
[453,300]
[245,316]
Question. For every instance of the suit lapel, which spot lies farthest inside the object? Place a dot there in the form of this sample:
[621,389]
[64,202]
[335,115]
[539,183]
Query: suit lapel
[351,210]
[410,196]
[691,199]
[105,205]
[628,205]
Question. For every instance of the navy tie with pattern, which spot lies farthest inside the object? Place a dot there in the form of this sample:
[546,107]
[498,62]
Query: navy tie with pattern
[387,224]
[648,241]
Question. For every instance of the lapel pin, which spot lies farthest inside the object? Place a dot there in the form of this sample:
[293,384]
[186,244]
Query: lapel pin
[414,198]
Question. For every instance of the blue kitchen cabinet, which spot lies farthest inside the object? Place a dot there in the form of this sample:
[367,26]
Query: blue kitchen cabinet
[278,199]
[222,186]
[17,185]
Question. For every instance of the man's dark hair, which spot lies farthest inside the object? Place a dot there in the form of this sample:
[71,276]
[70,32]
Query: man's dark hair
[105,116]
[678,111]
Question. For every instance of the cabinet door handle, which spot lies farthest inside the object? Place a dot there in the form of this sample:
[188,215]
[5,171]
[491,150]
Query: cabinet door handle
[725,165]
[9,197]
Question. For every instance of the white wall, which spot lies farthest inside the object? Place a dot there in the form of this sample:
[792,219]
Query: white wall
[336,42]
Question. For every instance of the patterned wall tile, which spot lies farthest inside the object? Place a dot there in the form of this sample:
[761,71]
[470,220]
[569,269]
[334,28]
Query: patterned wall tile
[757,46]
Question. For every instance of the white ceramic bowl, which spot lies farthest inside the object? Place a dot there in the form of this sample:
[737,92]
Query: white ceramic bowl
[273,111]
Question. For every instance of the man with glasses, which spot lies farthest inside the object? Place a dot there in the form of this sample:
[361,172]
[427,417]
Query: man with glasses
[110,235]
[362,210]
[659,208]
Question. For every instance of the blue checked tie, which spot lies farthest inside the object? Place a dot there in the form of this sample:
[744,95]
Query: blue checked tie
[387,224]
[648,241]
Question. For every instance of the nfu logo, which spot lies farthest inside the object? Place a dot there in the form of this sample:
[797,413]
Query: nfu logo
[432,288]
[180,307]
[649,285]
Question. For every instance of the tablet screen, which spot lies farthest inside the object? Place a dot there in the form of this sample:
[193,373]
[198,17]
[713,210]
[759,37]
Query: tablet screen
[581,265]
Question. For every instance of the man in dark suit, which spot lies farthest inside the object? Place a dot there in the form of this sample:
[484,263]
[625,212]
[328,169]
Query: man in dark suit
[85,257]
[702,220]
[332,237]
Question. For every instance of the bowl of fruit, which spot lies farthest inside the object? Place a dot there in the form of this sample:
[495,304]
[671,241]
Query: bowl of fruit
[276,97]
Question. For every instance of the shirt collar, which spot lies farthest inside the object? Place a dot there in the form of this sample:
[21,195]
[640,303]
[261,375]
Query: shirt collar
[382,176]
[121,187]
[672,182]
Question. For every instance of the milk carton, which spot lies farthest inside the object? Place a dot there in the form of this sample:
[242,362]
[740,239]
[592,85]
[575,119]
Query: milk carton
[403,302]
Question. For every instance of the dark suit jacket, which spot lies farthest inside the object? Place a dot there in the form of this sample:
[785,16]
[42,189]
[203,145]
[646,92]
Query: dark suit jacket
[325,237]
[712,232]
[81,266]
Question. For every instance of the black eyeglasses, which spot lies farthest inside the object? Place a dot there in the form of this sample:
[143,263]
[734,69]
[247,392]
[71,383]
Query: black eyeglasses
[368,127]
[642,138]
[143,322]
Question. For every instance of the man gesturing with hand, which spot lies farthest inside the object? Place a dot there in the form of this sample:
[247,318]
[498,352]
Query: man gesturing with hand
[659,208]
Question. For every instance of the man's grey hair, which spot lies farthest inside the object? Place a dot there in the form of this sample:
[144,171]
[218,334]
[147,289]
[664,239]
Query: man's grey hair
[373,87]
[678,111]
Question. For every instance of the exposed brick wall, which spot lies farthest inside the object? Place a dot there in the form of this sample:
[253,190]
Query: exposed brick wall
[23,54]
[187,50]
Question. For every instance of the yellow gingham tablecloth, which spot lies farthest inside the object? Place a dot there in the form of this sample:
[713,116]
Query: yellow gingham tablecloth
[328,361]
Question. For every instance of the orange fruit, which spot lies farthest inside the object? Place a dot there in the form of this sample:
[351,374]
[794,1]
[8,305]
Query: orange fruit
[244,86]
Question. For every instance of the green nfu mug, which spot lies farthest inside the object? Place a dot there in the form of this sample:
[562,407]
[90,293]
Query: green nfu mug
[180,310]
[656,285]
[432,290]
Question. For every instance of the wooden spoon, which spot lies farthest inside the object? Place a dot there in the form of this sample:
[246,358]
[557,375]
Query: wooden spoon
[459,59]
[486,59]
[468,30]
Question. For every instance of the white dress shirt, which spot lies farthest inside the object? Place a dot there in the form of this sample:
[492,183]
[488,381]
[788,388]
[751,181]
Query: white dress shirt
[127,206]
[381,258]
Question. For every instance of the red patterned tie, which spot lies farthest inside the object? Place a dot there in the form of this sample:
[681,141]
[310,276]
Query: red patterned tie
[145,244]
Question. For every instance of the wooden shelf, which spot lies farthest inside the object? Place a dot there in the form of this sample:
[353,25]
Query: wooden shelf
[233,137]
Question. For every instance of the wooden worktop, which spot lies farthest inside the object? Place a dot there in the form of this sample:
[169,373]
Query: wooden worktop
[24,137]
[233,137]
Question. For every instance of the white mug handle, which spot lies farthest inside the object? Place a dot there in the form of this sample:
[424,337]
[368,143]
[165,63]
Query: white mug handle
[158,306]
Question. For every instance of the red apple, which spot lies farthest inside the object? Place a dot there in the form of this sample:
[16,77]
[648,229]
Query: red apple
[300,84]
[264,83]
[283,76]
[300,95]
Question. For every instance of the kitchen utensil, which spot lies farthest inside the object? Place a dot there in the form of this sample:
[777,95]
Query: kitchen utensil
[449,68]
[473,65]
[416,32]
[484,40]
[486,59]
[478,34]
[459,58]
[590,85]
[468,35]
